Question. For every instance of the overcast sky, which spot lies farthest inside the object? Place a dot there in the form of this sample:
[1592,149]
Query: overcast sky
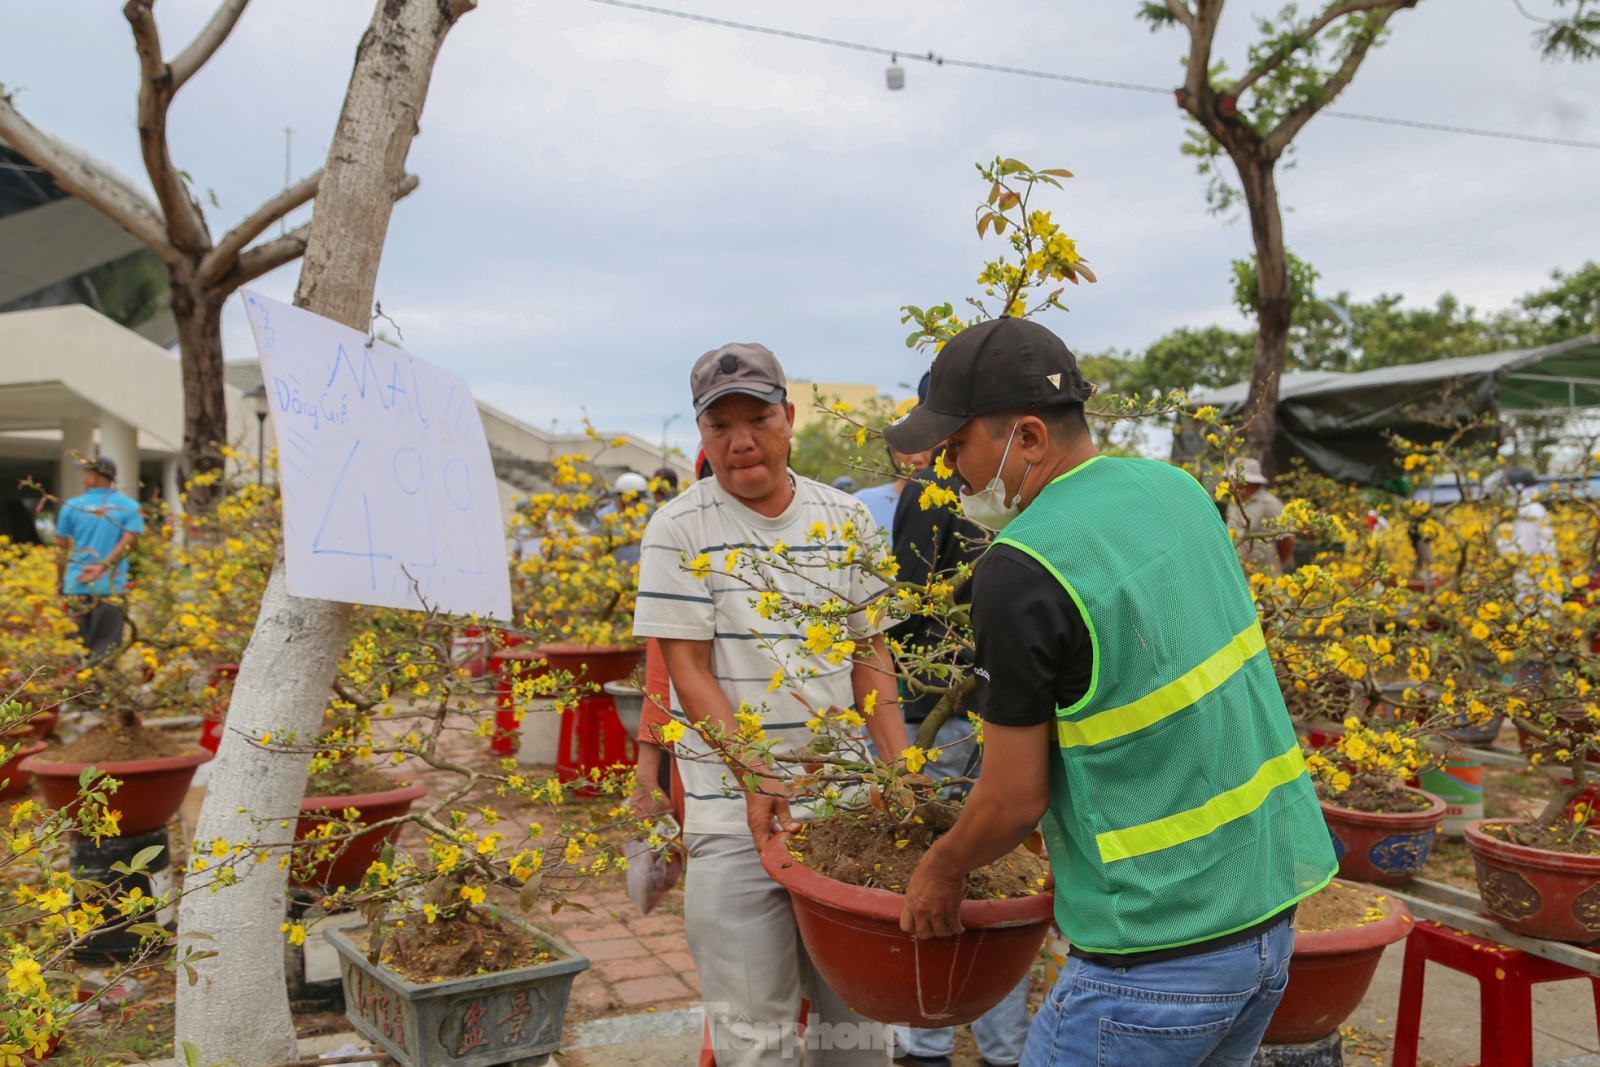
[606,194]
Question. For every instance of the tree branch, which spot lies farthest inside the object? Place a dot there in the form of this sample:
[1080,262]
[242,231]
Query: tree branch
[1202,26]
[1306,36]
[217,262]
[266,257]
[1180,11]
[186,226]
[1294,121]
[45,151]
[255,262]
[206,43]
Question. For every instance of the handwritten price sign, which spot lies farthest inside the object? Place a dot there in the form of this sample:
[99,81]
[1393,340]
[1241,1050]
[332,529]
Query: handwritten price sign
[389,495]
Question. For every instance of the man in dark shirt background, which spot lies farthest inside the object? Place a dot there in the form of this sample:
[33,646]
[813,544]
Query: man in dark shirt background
[935,541]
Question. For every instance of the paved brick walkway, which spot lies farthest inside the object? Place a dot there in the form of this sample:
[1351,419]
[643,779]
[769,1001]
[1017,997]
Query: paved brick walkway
[638,963]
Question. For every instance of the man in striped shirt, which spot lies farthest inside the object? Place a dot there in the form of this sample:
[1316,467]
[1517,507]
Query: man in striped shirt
[722,655]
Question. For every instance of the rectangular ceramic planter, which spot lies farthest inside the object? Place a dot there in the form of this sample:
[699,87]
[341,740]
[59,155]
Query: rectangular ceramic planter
[510,1017]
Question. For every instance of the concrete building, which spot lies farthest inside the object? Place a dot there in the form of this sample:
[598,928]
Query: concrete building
[804,395]
[72,382]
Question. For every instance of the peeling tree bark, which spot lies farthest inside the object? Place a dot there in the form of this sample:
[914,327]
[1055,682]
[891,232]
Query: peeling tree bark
[239,1007]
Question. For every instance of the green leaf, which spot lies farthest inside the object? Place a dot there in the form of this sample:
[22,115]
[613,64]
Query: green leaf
[1011,166]
[142,859]
[1009,201]
[1058,172]
[528,895]
[983,224]
[191,1054]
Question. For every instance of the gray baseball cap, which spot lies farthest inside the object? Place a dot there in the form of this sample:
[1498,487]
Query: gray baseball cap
[737,368]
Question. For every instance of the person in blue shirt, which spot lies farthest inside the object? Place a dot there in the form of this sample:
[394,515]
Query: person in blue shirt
[94,533]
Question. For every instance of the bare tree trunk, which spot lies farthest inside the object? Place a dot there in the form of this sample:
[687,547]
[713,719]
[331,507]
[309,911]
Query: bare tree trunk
[1274,308]
[239,1008]
[205,409]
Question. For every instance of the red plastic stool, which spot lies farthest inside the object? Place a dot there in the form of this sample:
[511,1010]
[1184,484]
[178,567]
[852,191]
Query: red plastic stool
[592,738]
[1506,977]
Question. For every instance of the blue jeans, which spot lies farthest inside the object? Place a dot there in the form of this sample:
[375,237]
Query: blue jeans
[1208,1010]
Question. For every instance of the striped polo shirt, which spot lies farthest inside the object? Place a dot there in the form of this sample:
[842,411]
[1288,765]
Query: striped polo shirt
[673,603]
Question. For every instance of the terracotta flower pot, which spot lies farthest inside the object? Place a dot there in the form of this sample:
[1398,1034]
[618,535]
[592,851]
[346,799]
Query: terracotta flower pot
[853,936]
[152,789]
[42,725]
[1329,974]
[1554,895]
[357,854]
[595,665]
[1381,847]
[16,780]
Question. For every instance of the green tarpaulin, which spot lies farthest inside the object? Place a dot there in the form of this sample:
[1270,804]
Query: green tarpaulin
[1338,423]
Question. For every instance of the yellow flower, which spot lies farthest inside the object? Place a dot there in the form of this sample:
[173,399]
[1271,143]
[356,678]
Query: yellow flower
[472,894]
[25,977]
[776,681]
[700,566]
[915,758]
[296,932]
[672,732]
[934,496]
[54,899]
[938,466]
[819,638]
[870,703]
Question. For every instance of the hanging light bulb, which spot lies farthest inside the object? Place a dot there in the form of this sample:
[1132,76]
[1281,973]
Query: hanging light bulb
[896,74]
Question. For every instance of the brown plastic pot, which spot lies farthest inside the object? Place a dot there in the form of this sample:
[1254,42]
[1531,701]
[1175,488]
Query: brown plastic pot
[853,936]
[14,781]
[1329,974]
[1554,895]
[151,793]
[1383,848]
[350,864]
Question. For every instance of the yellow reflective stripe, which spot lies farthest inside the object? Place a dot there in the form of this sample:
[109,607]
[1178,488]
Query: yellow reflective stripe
[1172,697]
[1220,810]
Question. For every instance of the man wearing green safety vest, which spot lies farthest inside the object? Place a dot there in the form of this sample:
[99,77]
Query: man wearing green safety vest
[1128,702]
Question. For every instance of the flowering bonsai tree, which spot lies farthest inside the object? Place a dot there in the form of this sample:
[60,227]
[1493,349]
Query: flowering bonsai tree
[576,574]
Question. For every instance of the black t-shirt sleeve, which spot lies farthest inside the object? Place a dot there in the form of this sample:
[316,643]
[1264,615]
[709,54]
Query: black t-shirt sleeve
[1032,650]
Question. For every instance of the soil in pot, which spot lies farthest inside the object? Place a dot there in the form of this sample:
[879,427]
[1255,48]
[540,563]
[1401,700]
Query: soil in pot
[348,779]
[1569,838]
[473,941]
[113,742]
[1340,907]
[1363,797]
[877,851]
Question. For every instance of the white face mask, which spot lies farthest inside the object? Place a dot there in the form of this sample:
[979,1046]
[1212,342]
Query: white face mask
[988,507]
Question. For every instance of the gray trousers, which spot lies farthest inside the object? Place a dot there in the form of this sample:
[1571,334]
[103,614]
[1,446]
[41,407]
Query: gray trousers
[754,971]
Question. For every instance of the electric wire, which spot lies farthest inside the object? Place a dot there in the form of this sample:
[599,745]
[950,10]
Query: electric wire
[947,61]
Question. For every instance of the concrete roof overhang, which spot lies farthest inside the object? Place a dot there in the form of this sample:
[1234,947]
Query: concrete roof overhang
[71,362]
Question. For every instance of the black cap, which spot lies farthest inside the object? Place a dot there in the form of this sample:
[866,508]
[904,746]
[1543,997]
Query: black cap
[999,365]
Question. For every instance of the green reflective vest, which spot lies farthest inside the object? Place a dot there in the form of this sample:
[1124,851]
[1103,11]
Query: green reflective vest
[1181,808]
